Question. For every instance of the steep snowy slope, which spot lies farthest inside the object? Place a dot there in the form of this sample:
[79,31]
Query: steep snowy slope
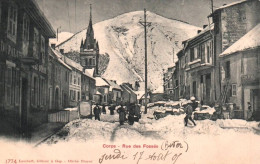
[122,38]
[63,36]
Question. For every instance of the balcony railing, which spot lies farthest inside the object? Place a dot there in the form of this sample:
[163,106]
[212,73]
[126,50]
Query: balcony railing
[198,64]
[9,50]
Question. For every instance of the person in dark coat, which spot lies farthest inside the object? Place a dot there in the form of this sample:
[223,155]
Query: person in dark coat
[97,112]
[189,111]
[122,113]
[131,115]
[104,109]
[112,108]
[194,104]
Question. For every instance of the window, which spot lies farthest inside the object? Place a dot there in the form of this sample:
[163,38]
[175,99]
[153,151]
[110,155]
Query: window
[78,80]
[34,91]
[90,61]
[191,54]
[202,51]
[194,88]
[17,88]
[26,28]
[8,85]
[78,96]
[12,22]
[234,90]
[70,78]
[208,54]
[105,98]
[75,79]
[42,49]
[36,43]
[228,69]
[0,10]
[86,62]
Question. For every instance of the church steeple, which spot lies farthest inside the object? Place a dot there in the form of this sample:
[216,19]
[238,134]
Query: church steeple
[90,33]
[89,53]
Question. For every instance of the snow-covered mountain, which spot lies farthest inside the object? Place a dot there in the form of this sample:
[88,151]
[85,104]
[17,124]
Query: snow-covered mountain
[122,38]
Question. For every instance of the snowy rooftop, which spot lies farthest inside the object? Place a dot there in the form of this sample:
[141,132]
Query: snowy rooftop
[203,31]
[87,74]
[59,57]
[100,82]
[73,64]
[248,41]
[113,85]
[229,5]
[90,71]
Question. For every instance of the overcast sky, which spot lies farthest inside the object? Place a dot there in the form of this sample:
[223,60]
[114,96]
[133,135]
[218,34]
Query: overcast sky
[62,12]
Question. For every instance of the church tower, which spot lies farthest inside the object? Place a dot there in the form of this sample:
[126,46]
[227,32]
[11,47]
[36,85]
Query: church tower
[89,49]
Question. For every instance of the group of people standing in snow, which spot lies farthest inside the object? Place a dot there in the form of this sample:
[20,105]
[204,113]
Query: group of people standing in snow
[133,111]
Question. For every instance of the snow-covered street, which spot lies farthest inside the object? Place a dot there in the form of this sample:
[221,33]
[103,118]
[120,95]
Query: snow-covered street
[108,129]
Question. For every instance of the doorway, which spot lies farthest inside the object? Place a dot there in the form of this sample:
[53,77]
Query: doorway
[208,86]
[24,113]
[56,98]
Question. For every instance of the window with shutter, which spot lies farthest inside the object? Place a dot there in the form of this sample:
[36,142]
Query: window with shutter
[12,22]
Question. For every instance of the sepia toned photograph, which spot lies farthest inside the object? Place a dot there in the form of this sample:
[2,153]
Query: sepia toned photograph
[129,81]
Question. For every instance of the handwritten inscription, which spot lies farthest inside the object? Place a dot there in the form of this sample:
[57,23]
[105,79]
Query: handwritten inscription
[168,151]
[116,155]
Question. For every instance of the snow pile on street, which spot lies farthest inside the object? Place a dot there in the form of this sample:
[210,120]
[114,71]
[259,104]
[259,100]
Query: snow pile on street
[122,38]
[71,109]
[108,129]
[206,109]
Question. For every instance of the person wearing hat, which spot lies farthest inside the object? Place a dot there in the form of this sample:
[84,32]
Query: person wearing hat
[122,114]
[97,112]
[189,110]
[194,104]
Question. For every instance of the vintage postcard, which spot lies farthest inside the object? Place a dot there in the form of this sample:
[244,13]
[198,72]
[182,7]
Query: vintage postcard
[129,82]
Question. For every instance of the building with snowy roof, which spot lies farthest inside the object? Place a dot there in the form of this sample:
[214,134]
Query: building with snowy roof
[74,82]
[231,23]
[128,94]
[102,91]
[115,92]
[241,70]
[58,77]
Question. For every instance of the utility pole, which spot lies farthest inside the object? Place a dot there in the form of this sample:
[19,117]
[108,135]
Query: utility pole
[212,9]
[58,33]
[145,24]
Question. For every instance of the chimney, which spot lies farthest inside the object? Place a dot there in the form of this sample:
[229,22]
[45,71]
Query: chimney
[53,46]
[62,51]
[204,26]
[199,31]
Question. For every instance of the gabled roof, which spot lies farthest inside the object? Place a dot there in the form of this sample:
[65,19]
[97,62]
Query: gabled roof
[59,56]
[228,5]
[205,30]
[100,82]
[127,88]
[249,41]
[73,64]
[90,71]
[88,75]
[33,10]
[113,85]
